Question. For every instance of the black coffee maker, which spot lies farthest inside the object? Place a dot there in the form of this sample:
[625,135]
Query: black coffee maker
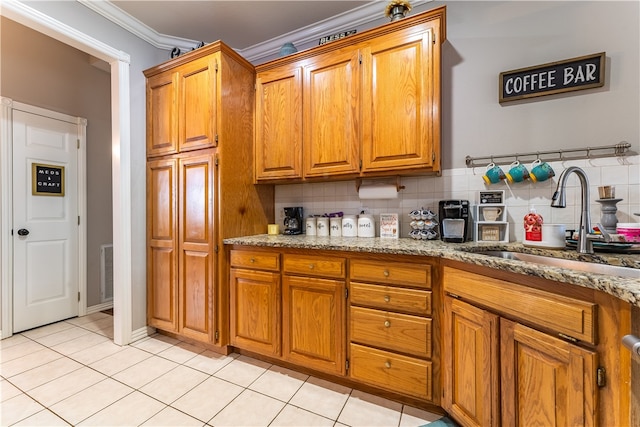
[454,220]
[293,220]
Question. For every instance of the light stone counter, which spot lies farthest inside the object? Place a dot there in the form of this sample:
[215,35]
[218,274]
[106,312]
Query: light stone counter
[627,289]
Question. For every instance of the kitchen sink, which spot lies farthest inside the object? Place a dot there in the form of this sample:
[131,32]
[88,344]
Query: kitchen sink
[589,267]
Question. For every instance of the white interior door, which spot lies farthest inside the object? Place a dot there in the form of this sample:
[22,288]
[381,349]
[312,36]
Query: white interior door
[45,220]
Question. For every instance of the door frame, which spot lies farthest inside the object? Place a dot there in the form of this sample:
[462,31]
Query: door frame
[8,106]
[121,170]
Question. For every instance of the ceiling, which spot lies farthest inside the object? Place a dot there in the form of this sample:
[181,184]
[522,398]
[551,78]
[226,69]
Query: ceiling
[240,24]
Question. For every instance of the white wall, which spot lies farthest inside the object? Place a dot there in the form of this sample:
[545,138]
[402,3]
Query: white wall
[41,71]
[142,56]
[484,39]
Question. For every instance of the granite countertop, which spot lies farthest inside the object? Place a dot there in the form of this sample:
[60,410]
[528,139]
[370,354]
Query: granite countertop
[627,289]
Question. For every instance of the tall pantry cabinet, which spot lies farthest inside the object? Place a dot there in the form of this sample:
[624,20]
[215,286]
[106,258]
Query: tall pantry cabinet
[199,187]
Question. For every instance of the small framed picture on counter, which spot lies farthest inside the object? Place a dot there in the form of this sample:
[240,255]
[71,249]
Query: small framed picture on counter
[389,227]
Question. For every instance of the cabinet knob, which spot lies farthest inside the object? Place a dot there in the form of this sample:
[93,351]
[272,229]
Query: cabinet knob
[387,298]
[386,273]
[311,266]
[387,324]
[252,260]
[387,364]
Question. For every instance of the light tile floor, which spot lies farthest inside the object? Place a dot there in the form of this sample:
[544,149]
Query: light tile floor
[71,373]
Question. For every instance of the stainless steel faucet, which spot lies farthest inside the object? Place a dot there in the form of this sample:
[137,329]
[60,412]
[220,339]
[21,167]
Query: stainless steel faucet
[559,200]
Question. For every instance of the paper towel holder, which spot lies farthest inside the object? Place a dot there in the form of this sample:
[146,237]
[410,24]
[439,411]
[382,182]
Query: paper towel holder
[398,185]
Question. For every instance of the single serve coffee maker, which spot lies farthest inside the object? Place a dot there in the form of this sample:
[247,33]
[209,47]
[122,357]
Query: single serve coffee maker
[454,220]
[293,220]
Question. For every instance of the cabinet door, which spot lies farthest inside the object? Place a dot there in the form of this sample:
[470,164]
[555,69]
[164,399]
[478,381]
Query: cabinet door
[331,114]
[197,104]
[162,114]
[545,381]
[196,236]
[313,323]
[399,109]
[278,142]
[162,245]
[255,310]
[470,364]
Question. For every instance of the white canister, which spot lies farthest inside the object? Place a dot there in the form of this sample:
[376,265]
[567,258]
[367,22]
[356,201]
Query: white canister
[349,226]
[335,226]
[310,226]
[366,226]
[553,235]
[322,226]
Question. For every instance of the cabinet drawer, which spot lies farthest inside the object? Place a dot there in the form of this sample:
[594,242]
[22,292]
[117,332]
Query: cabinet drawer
[394,273]
[398,332]
[568,316]
[390,371]
[255,260]
[389,298]
[310,265]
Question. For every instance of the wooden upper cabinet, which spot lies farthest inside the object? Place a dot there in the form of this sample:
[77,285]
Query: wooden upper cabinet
[400,101]
[162,114]
[181,108]
[331,112]
[278,139]
[197,104]
[366,105]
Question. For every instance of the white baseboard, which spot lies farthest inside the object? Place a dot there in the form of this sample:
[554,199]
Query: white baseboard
[144,332]
[99,307]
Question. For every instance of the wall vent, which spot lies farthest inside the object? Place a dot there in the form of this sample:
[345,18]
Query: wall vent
[106,273]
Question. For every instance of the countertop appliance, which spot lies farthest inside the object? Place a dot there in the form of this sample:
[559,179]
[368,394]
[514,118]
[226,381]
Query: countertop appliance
[454,220]
[293,220]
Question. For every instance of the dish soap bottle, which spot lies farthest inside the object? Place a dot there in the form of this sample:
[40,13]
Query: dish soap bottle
[533,226]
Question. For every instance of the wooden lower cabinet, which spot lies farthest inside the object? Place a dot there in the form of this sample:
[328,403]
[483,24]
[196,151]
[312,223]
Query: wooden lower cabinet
[471,366]
[293,306]
[391,326]
[545,381]
[254,279]
[313,323]
[180,268]
[510,369]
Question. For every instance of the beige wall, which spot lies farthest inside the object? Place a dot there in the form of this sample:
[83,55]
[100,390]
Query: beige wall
[38,70]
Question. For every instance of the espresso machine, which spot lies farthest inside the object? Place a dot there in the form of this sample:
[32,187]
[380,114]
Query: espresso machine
[454,220]
[293,220]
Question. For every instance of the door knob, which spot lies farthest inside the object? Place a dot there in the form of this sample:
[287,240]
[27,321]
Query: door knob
[23,232]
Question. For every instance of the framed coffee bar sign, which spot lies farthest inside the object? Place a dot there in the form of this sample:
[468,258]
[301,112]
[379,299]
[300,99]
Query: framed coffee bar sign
[580,73]
[47,180]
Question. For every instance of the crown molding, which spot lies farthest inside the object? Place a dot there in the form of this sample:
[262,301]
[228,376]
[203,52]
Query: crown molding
[312,33]
[341,22]
[136,27]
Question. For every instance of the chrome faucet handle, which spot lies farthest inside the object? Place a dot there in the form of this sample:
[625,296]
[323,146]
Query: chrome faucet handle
[604,236]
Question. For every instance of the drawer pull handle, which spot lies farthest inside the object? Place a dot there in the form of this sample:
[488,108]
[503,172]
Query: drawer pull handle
[387,324]
[387,298]
[386,273]
[252,260]
[311,266]
[387,364]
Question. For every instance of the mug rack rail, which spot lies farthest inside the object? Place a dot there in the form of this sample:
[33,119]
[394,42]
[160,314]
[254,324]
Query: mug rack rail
[615,150]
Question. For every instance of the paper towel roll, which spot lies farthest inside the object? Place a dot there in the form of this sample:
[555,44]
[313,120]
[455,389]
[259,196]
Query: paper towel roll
[378,191]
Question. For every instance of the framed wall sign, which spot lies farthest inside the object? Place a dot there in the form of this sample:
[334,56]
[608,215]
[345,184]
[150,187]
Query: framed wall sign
[584,72]
[47,180]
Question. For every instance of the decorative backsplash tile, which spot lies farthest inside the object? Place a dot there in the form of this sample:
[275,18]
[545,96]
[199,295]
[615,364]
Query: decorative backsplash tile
[466,183]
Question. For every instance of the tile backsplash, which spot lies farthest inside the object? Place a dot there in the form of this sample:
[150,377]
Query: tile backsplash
[466,183]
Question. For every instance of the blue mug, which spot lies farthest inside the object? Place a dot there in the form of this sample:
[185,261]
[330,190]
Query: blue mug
[541,171]
[494,174]
[517,172]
